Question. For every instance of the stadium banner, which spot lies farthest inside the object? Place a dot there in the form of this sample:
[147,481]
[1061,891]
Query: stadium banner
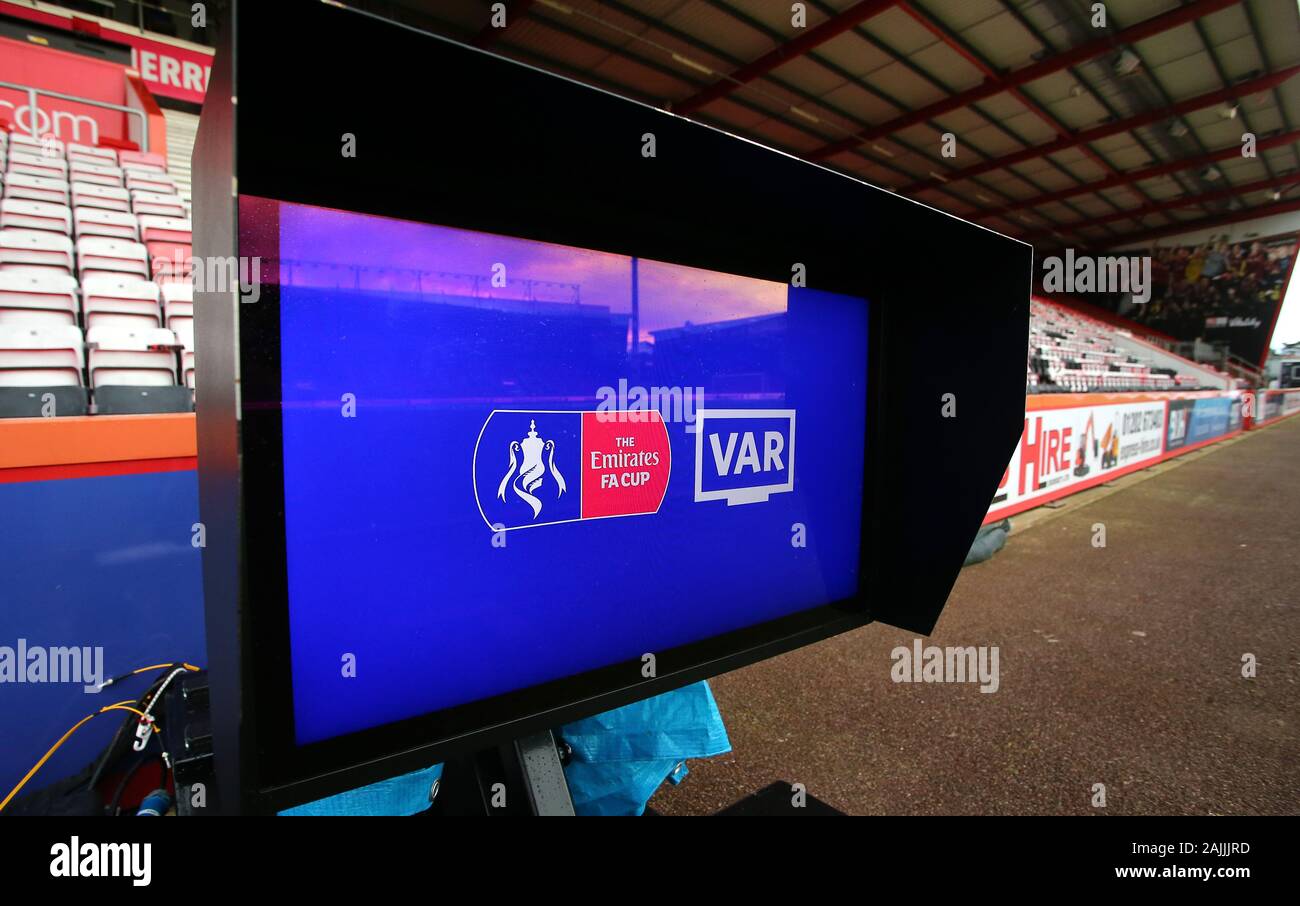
[1218,291]
[1072,442]
[1274,404]
[168,66]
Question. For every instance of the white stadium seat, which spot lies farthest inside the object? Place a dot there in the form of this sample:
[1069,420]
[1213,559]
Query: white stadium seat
[99,222]
[128,356]
[35,248]
[92,154]
[29,298]
[142,161]
[35,215]
[95,173]
[41,356]
[45,145]
[26,187]
[161,205]
[120,301]
[37,165]
[149,181]
[89,195]
[99,254]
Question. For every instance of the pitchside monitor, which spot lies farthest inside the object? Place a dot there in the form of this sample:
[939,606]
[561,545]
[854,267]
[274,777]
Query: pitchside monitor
[492,484]
[533,422]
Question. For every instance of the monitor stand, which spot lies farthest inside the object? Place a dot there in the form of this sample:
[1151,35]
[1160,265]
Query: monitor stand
[522,777]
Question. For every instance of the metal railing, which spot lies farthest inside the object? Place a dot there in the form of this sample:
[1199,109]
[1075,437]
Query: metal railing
[33,108]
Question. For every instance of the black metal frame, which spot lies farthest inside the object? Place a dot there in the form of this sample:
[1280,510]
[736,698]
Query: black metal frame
[539,157]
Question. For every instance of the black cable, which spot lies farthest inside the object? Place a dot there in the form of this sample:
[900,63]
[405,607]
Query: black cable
[114,747]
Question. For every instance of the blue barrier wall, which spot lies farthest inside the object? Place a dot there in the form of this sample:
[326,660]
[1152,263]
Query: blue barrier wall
[104,561]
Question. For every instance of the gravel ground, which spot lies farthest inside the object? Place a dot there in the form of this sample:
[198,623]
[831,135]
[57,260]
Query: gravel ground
[1120,666]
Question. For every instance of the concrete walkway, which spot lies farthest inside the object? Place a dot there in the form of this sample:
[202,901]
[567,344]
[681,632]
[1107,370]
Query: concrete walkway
[1120,666]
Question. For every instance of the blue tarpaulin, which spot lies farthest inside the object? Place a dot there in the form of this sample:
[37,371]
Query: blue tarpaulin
[619,759]
[622,756]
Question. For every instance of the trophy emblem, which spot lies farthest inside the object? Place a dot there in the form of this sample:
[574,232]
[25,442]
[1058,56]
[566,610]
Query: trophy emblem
[532,471]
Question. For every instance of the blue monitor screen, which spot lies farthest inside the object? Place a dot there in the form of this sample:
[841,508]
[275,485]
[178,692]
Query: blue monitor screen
[509,461]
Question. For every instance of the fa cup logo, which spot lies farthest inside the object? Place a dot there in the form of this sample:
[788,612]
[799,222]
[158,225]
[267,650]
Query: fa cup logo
[532,471]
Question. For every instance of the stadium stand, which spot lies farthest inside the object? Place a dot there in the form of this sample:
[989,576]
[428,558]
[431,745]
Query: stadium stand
[96,314]
[1070,352]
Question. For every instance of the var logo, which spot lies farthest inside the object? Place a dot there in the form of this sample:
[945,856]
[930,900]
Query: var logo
[743,455]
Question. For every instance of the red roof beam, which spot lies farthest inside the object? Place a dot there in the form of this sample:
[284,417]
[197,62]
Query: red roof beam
[1282,184]
[1105,130]
[1206,223]
[813,37]
[1163,169]
[1155,25]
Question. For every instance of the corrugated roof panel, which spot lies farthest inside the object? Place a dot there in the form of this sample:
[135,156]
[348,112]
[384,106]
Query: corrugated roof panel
[668,50]
[722,30]
[809,75]
[906,86]
[860,104]
[1189,75]
[855,56]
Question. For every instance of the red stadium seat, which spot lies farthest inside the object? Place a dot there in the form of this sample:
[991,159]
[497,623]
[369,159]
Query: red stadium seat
[171,260]
[154,228]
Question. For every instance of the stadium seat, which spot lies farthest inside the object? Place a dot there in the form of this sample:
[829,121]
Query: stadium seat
[35,215]
[121,301]
[29,298]
[149,181]
[96,174]
[21,142]
[178,316]
[99,222]
[92,155]
[37,165]
[142,161]
[25,249]
[40,365]
[160,205]
[98,255]
[154,228]
[25,187]
[89,195]
[133,370]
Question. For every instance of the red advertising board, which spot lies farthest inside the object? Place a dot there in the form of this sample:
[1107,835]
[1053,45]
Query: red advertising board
[1075,441]
[172,69]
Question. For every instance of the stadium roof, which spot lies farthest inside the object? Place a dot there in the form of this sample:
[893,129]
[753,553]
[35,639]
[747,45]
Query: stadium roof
[1066,131]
